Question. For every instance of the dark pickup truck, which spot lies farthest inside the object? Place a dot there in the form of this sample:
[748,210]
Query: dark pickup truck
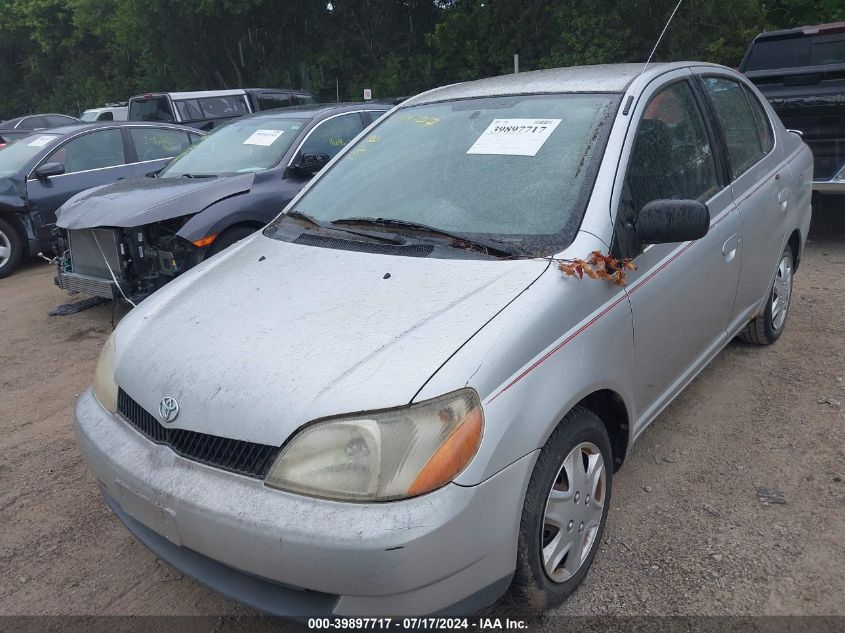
[802,73]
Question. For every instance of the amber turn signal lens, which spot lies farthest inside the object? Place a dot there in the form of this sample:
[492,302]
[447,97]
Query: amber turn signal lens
[452,455]
[205,241]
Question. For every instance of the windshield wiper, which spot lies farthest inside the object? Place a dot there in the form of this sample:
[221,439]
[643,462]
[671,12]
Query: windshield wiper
[391,239]
[199,175]
[491,246]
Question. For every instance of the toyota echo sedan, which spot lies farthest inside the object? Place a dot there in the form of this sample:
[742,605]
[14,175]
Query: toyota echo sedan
[392,400]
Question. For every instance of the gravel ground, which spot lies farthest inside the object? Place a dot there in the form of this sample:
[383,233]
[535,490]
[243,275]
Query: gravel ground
[687,533]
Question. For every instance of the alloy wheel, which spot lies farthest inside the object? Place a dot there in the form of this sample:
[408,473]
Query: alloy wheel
[5,249]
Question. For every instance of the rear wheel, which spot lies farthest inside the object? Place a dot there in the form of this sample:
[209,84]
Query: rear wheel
[230,236]
[767,328]
[564,512]
[11,248]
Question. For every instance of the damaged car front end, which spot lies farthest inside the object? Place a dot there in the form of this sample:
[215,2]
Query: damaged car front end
[127,240]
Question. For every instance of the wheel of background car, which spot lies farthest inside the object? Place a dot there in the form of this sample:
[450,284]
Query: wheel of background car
[11,248]
[564,512]
[229,237]
[767,328]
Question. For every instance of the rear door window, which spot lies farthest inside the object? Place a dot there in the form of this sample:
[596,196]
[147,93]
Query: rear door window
[761,119]
[737,122]
[95,150]
[158,143]
[222,107]
[189,109]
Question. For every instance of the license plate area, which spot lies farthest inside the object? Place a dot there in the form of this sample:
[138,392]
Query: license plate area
[147,510]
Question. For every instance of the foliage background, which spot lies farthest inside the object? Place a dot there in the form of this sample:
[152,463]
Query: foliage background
[69,55]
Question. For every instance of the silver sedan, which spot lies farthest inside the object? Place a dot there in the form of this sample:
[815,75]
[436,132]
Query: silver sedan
[411,392]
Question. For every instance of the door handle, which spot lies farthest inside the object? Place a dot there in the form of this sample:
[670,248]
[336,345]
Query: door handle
[730,246]
[783,199]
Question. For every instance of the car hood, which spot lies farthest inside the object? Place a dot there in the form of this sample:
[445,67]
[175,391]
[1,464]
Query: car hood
[270,335]
[140,201]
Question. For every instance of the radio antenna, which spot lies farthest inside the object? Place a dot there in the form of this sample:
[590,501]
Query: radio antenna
[662,33]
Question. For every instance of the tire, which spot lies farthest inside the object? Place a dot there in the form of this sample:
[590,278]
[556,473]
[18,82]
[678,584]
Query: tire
[230,236]
[533,588]
[767,328]
[11,248]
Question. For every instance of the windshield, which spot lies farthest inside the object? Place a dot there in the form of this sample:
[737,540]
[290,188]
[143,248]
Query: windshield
[516,168]
[240,147]
[14,157]
[89,115]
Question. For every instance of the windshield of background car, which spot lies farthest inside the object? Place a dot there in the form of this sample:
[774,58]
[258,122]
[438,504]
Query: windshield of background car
[517,168]
[240,147]
[89,115]
[14,157]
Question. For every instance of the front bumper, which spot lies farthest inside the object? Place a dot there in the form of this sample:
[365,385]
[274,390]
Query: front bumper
[452,551]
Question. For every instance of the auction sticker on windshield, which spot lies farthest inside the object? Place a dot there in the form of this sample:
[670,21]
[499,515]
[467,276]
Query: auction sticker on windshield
[514,137]
[263,137]
[41,141]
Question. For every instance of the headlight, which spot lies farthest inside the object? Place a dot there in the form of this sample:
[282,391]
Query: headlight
[383,455]
[105,388]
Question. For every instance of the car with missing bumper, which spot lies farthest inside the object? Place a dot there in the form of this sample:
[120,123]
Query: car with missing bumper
[393,400]
[41,171]
[126,240]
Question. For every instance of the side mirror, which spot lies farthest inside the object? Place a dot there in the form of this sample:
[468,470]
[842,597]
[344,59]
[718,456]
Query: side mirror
[667,221]
[50,169]
[310,164]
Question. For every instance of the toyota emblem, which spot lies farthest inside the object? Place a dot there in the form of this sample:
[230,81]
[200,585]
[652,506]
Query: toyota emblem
[168,409]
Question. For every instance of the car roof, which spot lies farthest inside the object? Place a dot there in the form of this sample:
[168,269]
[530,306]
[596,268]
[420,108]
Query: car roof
[313,110]
[9,123]
[609,78]
[67,130]
[801,31]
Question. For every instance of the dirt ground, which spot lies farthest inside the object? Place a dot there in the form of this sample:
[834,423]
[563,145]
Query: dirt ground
[687,533]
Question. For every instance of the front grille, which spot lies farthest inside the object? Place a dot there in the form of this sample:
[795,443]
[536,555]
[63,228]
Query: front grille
[237,456]
[411,250]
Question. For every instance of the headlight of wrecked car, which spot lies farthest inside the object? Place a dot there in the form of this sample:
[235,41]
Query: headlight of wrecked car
[383,455]
[105,388]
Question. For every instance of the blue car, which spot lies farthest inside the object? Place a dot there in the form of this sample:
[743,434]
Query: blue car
[125,240]
[40,172]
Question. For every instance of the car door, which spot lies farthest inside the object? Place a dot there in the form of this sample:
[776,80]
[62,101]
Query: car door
[90,159]
[759,183]
[151,148]
[682,294]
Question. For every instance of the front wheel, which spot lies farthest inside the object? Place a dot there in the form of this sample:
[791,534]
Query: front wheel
[564,512]
[767,328]
[11,248]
